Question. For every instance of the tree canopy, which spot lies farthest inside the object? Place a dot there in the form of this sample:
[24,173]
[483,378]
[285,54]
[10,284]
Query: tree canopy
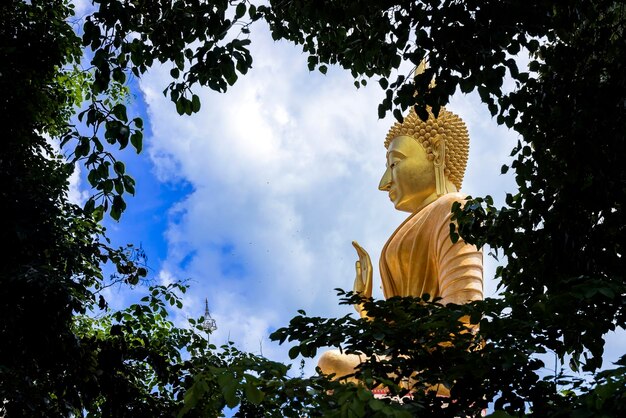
[561,233]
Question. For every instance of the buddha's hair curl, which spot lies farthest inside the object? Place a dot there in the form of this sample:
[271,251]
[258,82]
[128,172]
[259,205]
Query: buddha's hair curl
[448,127]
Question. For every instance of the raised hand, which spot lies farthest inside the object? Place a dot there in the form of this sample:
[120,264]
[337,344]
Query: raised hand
[363,279]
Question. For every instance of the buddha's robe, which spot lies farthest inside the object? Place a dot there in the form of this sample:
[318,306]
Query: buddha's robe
[420,258]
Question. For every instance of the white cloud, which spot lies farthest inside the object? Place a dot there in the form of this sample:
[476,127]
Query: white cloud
[76,191]
[77,194]
[284,169]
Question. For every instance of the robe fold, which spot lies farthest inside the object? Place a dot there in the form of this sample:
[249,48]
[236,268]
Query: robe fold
[419,258]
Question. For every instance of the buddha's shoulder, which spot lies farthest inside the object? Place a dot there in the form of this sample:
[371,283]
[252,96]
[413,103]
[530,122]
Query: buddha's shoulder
[445,202]
[442,207]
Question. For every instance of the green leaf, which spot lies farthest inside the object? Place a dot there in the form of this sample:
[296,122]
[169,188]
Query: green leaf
[228,71]
[119,110]
[363,394]
[240,10]
[119,167]
[375,404]
[119,186]
[253,394]
[124,135]
[83,147]
[382,111]
[193,395]
[118,75]
[129,184]
[118,206]
[132,279]
[136,139]
[229,390]
[90,205]
[180,106]
[293,352]
[195,103]
[98,213]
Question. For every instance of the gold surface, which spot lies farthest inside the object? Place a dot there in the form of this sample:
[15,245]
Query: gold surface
[424,170]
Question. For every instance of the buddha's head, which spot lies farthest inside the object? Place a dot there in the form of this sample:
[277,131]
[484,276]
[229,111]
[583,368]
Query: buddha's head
[424,159]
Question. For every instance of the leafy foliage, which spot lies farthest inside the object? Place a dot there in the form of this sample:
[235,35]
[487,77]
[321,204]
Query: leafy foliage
[561,234]
[68,354]
[55,361]
[205,45]
[416,347]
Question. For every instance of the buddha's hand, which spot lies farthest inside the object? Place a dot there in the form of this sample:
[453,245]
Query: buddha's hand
[363,279]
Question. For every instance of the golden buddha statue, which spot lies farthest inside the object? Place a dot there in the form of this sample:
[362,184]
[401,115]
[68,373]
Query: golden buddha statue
[424,171]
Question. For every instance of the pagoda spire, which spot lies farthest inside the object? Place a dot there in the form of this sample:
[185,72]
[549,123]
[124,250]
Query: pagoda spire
[208,325]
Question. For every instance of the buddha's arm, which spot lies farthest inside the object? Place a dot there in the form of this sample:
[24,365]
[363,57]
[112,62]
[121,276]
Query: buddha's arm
[460,273]
[460,270]
[363,279]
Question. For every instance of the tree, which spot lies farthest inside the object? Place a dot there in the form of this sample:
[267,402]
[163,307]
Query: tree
[50,253]
[55,358]
[63,351]
[561,233]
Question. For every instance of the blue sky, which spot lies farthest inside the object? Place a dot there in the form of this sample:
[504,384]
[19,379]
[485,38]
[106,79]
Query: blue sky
[256,199]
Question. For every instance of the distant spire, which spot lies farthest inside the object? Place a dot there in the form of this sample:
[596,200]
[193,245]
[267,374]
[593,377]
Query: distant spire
[209,324]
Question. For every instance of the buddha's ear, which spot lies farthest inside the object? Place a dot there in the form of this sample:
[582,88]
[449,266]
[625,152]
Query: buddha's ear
[436,140]
[439,150]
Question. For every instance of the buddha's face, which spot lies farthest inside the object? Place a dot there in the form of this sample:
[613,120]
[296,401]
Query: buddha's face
[410,175]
